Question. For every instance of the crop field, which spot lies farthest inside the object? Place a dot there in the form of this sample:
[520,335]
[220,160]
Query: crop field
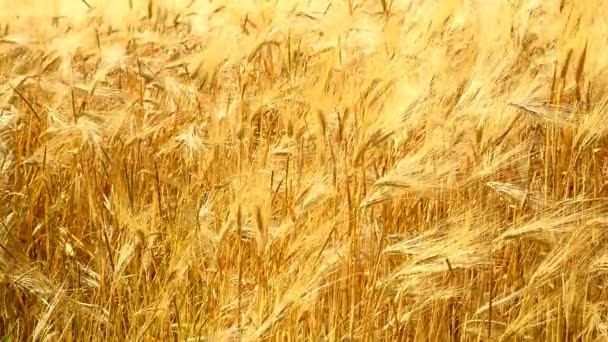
[355,170]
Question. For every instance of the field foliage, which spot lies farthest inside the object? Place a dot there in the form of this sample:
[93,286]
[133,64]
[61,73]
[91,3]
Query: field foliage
[304,170]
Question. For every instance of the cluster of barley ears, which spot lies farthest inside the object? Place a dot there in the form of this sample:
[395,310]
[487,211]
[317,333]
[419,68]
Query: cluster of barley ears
[353,170]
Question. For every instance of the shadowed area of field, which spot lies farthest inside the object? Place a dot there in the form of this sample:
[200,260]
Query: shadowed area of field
[303,170]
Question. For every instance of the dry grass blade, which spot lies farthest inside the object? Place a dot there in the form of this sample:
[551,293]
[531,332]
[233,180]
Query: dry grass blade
[43,327]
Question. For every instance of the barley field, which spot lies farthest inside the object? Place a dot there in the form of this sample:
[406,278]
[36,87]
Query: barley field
[253,170]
